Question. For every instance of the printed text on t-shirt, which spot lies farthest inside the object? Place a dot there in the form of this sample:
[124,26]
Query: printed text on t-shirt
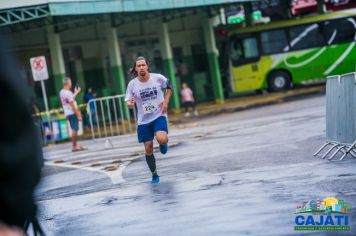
[148,94]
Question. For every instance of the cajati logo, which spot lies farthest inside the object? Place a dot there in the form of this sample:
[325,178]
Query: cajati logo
[328,214]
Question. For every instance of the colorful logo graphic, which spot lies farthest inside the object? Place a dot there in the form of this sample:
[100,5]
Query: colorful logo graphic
[328,214]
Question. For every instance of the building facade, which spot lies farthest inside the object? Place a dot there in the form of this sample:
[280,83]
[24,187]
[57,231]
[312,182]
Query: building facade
[96,42]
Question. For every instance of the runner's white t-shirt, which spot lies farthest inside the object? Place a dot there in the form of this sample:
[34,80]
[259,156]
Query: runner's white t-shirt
[148,96]
[66,97]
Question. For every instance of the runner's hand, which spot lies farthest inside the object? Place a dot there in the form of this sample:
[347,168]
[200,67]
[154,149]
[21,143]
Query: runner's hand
[164,107]
[131,102]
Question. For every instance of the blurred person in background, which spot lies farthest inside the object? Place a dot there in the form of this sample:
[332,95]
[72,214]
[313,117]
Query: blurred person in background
[71,110]
[20,152]
[188,100]
[37,118]
[88,96]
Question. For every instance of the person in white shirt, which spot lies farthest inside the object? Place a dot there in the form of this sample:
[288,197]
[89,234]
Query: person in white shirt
[145,90]
[71,111]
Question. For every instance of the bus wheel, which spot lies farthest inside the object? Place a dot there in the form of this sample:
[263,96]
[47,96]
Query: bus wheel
[279,81]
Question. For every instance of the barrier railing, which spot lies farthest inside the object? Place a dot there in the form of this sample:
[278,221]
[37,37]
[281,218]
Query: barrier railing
[110,116]
[340,117]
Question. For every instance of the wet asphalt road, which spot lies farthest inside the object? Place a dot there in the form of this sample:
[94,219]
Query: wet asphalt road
[232,174]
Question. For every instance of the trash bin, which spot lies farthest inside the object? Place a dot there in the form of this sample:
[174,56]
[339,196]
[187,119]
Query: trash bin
[51,132]
[64,131]
[55,130]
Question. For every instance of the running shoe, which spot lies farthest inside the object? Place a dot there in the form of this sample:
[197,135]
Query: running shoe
[155,179]
[163,148]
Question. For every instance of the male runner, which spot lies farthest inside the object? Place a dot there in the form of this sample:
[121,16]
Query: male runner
[145,89]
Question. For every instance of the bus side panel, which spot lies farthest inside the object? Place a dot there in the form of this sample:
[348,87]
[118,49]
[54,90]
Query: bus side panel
[342,59]
[304,65]
[250,76]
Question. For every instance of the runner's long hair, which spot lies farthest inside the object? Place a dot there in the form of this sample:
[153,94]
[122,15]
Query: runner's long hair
[133,72]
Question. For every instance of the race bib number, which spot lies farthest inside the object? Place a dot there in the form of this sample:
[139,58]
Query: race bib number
[149,107]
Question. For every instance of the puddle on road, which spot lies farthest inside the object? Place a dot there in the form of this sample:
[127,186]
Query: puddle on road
[163,192]
[117,161]
[76,163]
[58,161]
[346,175]
[163,188]
[135,154]
[95,165]
[110,168]
[108,201]
[210,186]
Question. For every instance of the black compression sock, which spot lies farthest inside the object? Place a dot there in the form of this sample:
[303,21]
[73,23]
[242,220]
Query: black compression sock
[151,162]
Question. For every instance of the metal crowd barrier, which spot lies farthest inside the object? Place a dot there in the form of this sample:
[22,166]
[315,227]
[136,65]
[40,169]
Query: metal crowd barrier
[110,116]
[340,117]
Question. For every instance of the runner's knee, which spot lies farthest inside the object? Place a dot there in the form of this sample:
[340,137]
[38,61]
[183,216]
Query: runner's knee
[162,139]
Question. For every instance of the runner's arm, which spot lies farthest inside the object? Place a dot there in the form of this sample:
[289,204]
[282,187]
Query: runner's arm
[130,97]
[165,102]
[168,95]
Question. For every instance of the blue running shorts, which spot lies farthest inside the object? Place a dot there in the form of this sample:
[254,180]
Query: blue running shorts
[147,132]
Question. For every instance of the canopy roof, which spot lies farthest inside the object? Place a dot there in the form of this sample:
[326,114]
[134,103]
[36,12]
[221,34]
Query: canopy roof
[15,11]
[111,6]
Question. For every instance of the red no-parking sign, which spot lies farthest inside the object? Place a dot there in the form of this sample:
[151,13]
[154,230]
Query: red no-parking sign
[39,68]
[40,73]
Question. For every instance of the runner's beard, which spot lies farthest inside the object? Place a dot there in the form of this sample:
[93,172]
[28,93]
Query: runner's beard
[142,73]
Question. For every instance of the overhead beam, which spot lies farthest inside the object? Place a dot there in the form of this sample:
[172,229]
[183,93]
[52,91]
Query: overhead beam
[12,16]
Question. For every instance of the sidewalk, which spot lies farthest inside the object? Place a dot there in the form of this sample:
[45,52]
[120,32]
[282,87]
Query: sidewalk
[246,102]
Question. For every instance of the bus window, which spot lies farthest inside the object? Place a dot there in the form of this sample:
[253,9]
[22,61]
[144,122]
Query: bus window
[244,49]
[250,47]
[274,41]
[236,50]
[340,31]
[305,36]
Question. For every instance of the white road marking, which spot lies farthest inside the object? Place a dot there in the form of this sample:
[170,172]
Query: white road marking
[115,176]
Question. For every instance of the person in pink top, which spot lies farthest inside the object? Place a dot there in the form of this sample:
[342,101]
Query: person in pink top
[188,100]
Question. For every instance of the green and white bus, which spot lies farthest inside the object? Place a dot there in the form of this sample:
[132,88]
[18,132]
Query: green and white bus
[299,51]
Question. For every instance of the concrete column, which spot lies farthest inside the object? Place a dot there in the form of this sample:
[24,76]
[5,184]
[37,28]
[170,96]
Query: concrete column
[119,85]
[107,72]
[57,63]
[212,52]
[168,64]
